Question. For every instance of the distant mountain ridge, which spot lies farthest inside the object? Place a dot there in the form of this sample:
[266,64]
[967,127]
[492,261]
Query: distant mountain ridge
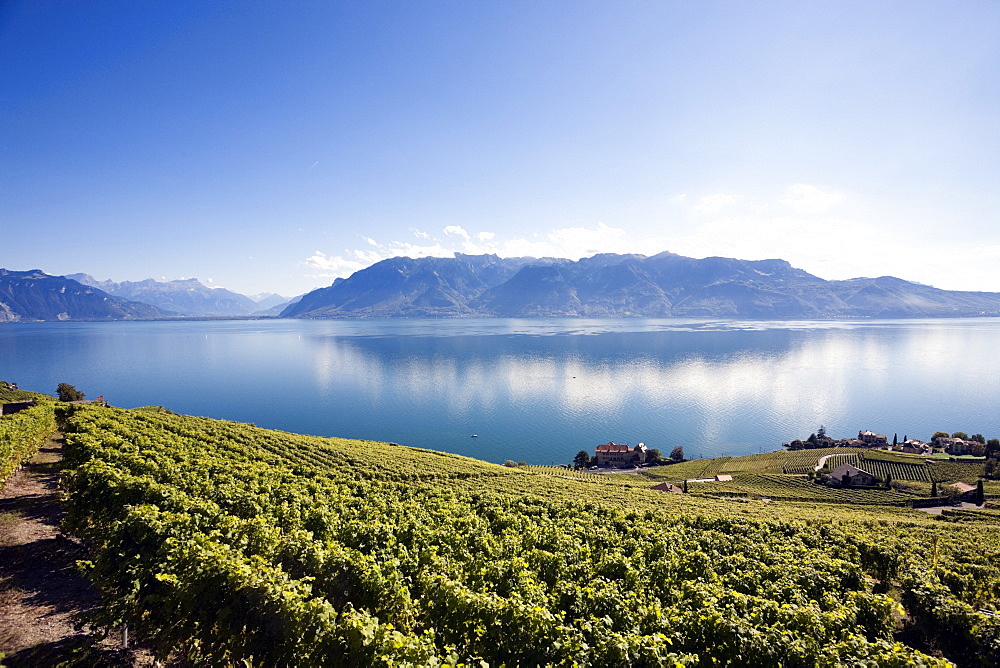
[185,296]
[34,295]
[611,285]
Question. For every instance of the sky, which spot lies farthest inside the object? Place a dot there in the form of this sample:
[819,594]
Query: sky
[268,146]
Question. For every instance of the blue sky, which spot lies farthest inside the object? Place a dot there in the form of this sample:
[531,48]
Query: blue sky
[271,146]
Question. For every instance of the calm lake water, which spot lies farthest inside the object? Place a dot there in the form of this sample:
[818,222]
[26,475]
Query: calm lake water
[536,390]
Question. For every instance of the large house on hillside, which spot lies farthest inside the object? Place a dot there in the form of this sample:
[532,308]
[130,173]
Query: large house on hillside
[620,454]
[849,475]
[915,447]
[954,446]
[871,438]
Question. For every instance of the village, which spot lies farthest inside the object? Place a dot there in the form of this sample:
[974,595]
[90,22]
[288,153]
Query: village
[957,444]
[623,456]
[905,471]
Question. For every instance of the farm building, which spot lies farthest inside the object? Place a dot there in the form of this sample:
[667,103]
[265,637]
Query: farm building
[849,475]
[15,406]
[667,487]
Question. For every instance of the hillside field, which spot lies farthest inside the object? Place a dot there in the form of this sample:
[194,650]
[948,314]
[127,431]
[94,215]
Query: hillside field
[225,543]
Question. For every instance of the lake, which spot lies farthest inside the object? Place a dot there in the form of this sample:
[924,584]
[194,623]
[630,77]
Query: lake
[536,390]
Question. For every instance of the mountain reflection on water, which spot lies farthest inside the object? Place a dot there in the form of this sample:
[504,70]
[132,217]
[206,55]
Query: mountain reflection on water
[536,390]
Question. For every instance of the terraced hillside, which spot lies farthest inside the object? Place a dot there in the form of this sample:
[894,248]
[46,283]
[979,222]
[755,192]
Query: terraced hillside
[230,544]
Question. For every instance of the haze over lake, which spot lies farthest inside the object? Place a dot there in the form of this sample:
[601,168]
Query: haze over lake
[536,390]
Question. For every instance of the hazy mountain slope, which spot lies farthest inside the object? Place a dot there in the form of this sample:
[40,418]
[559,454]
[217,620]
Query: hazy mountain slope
[609,285]
[533,291]
[889,297]
[34,295]
[276,310]
[268,300]
[403,286]
[186,297]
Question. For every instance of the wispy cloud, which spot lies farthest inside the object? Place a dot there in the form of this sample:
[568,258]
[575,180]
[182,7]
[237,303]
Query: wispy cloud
[567,242]
[457,230]
[806,199]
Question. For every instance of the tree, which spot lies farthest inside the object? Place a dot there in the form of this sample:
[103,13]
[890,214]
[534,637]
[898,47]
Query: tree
[685,485]
[812,439]
[950,492]
[939,434]
[888,481]
[67,392]
[992,447]
[978,438]
[795,445]
[677,454]
[895,441]
[654,456]
[821,432]
[582,459]
[960,434]
[980,493]
[934,488]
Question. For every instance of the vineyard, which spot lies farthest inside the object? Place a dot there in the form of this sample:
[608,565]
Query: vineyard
[947,471]
[797,488]
[883,469]
[22,432]
[232,544]
[883,465]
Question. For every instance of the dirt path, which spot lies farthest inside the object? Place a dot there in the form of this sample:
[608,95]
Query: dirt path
[41,593]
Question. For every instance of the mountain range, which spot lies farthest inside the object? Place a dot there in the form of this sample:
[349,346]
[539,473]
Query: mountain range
[184,297]
[610,285]
[605,285]
[34,295]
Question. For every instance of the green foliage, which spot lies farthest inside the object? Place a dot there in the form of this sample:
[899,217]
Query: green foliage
[8,393]
[888,469]
[958,471]
[677,454]
[233,544]
[582,459]
[21,434]
[67,392]
[799,488]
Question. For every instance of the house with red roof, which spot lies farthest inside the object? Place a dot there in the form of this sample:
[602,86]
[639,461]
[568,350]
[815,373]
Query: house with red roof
[620,454]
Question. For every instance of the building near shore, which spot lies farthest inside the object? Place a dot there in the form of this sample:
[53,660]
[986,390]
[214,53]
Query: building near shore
[871,438]
[620,454]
